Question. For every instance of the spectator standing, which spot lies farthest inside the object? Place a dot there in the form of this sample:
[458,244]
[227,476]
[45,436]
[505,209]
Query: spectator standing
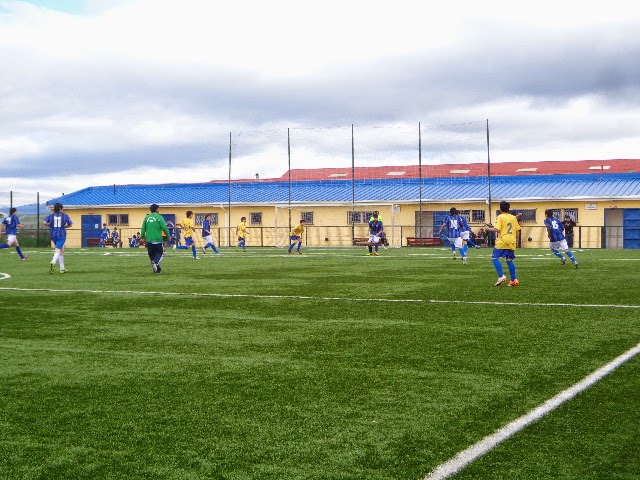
[568,230]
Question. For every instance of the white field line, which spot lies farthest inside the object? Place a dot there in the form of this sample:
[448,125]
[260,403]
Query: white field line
[4,276]
[475,451]
[319,299]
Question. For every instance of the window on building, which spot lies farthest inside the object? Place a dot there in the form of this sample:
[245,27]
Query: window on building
[528,214]
[307,217]
[200,218]
[477,216]
[123,219]
[118,219]
[572,212]
[465,213]
[355,217]
[112,219]
[255,218]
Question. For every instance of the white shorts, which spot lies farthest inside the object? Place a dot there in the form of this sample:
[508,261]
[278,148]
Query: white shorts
[465,236]
[374,239]
[457,241]
[561,245]
[11,239]
[208,239]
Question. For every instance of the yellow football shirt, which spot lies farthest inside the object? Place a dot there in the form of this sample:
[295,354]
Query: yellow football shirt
[298,230]
[242,230]
[187,227]
[507,226]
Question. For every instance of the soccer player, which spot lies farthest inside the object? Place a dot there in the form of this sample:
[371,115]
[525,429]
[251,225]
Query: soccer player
[153,226]
[296,236]
[206,234]
[58,222]
[375,230]
[187,225]
[506,226]
[11,224]
[557,240]
[456,225]
[241,233]
[104,236]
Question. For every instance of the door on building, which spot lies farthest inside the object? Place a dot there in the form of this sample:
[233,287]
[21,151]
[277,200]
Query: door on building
[91,227]
[631,232]
[613,228]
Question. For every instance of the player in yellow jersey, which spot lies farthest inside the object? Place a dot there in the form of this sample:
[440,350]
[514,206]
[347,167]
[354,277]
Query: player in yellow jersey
[296,236]
[241,233]
[507,226]
[187,225]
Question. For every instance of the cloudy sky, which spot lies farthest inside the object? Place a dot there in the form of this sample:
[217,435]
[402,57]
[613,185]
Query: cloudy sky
[101,92]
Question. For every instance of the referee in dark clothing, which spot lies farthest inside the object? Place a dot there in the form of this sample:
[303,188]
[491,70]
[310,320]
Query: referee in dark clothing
[568,230]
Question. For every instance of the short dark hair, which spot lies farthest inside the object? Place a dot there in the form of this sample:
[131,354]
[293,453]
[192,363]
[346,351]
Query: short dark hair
[57,207]
[154,207]
[505,206]
[453,211]
[566,215]
[189,213]
[548,212]
[12,210]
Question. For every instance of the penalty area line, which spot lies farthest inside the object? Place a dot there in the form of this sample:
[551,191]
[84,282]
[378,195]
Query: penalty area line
[318,299]
[477,450]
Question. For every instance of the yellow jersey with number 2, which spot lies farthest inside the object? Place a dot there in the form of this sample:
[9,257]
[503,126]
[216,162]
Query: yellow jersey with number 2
[507,226]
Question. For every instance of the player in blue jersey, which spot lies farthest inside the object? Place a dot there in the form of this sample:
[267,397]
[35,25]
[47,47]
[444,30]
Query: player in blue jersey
[456,225]
[104,236]
[557,240]
[206,234]
[376,229]
[58,222]
[11,224]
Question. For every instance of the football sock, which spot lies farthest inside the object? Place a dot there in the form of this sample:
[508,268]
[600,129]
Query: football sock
[214,248]
[512,270]
[299,245]
[570,255]
[498,266]
[182,247]
[4,245]
[193,250]
[56,256]
[61,262]
[557,253]
[291,246]
[470,242]
[19,252]
[465,248]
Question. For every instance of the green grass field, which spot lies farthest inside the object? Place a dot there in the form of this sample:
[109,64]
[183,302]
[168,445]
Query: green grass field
[327,365]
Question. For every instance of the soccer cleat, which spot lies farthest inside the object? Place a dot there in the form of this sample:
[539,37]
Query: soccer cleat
[154,267]
[290,252]
[564,260]
[477,246]
[464,260]
[369,254]
[244,249]
[514,283]
[237,248]
[204,250]
[454,256]
[24,258]
[159,269]
[196,258]
[63,271]
[501,280]
[174,247]
[575,264]
[51,268]
[299,253]
[217,253]
[375,254]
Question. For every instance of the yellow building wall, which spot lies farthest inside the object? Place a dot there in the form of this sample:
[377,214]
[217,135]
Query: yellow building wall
[330,222]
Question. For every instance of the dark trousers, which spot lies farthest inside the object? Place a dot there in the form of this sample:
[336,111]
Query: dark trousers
[155,251]
[569,237]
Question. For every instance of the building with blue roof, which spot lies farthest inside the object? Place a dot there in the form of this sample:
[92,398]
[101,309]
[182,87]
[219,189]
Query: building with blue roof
[338,210]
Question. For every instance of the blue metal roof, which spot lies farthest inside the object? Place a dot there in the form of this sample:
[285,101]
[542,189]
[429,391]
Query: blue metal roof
[587,186]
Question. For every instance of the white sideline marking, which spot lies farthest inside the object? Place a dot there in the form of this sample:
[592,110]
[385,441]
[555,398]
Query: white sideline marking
[487,444]
[320,299]
[4,276]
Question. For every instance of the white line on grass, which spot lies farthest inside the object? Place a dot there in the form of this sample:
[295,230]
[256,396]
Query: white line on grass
[319,299]
[4,276]
[469,455]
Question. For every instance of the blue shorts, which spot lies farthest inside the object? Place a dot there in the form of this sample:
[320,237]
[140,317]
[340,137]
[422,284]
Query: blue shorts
[59,242]
[295,238]
[188,241]
[501,253]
